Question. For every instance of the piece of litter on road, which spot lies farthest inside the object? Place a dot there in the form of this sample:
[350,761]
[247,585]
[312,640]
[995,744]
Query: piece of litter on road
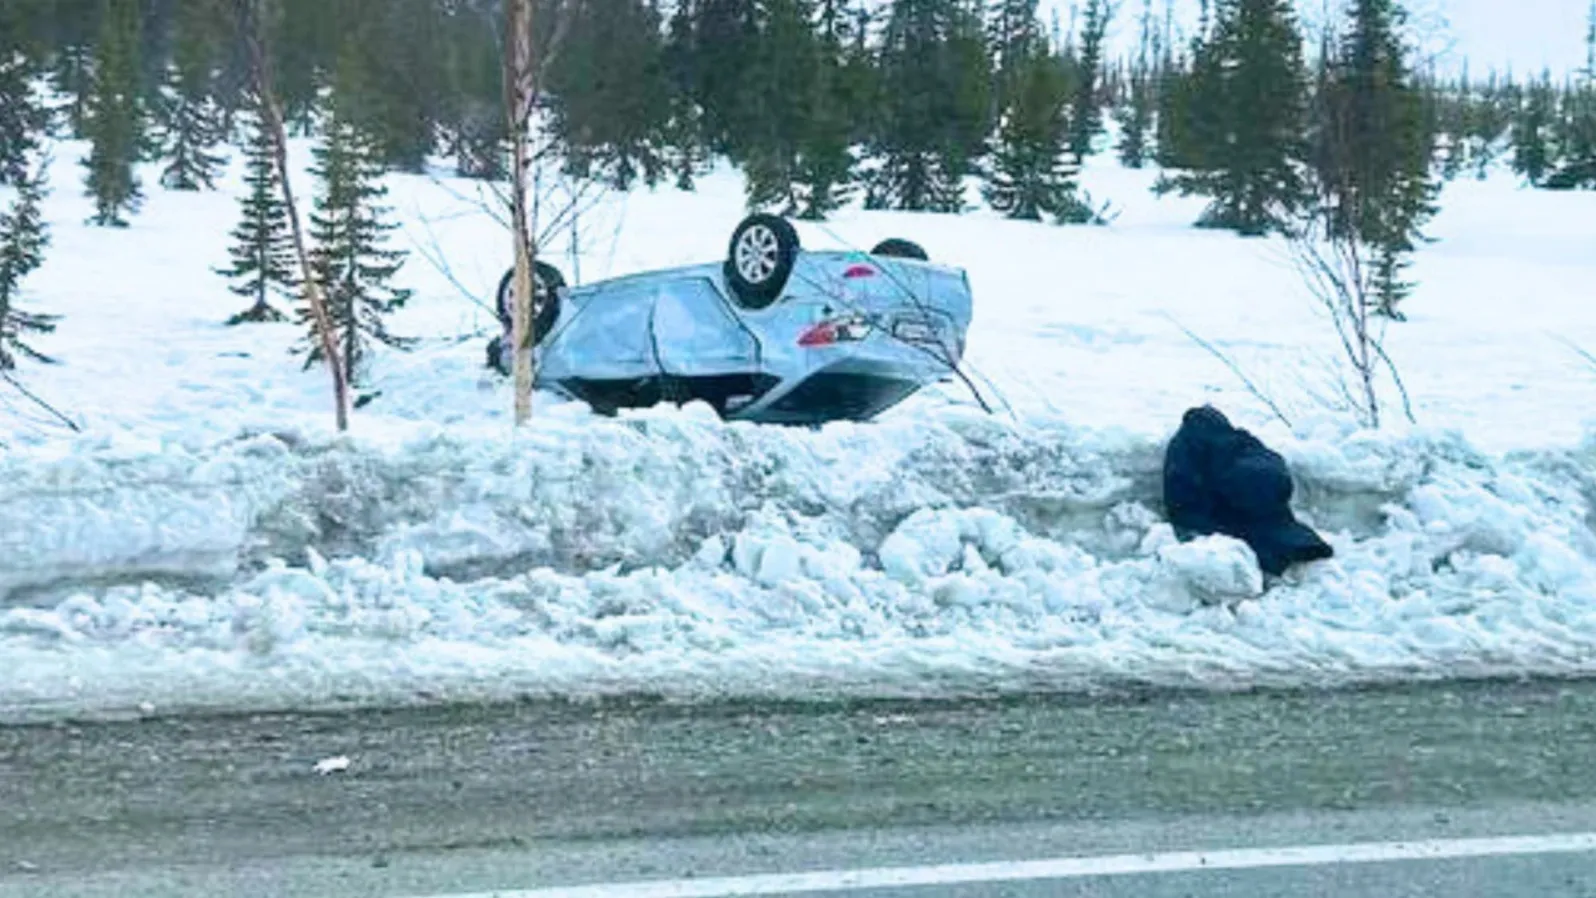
[332,765]
[26,867]
[146,708]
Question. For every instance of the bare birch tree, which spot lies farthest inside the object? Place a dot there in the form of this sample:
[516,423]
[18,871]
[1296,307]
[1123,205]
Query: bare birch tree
[1342,271]
[252,26]
[529,51]
[520,97]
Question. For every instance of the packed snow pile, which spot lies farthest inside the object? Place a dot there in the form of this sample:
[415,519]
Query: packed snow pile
[670,553]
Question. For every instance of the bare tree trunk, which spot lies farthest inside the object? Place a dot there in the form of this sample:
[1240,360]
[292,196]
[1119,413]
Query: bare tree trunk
[520,84]
[251,23]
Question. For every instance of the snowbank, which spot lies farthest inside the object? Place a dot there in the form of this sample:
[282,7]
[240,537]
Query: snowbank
[671,553]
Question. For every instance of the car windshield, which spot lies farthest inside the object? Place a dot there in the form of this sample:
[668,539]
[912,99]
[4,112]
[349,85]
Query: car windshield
[863,448]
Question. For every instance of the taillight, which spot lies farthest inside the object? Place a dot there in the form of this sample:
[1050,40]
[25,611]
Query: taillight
[859,271]
[836,330]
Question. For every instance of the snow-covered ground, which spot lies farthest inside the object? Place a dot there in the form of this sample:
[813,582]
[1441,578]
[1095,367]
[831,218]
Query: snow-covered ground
[207,542]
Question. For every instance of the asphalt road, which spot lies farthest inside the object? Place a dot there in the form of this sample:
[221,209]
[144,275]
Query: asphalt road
[463,800]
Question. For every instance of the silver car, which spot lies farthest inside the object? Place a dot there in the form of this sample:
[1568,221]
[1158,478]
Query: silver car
[773,333]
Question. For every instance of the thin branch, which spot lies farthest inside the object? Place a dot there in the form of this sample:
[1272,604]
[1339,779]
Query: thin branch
[1396,377]
[477,202]
[1578,350]
[54,412]
[433,253]
[1235,369]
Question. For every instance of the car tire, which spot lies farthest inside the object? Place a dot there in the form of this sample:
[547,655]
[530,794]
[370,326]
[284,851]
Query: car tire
[899,248]
[547,282]
[759,261]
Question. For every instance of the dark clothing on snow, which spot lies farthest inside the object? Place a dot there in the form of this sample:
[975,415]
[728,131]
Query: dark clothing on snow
[1221,479]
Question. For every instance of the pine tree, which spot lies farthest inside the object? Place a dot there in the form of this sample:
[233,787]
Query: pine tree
[1012,32]
[476,129]
[1575,132]
[610,93]
[686,149]
[725,45]
[1032,172]
[1190,135]
[825,171]
[22,117]
[351,260]
[1531,152]
[1086,112]
[400,77]
[115,123]
[1135,116]
[74,25]
[190,118]
[23,239]
[782,76]
[262,253]
[933,111]
[1253,83]
[1371,150]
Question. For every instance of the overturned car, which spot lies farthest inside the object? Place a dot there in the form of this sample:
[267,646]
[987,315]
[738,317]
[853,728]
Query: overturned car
[772,333]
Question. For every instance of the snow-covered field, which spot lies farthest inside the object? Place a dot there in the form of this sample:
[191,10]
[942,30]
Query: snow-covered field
[208,542]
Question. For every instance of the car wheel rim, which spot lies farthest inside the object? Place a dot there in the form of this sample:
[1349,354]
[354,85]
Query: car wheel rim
[757,254]
[540,294]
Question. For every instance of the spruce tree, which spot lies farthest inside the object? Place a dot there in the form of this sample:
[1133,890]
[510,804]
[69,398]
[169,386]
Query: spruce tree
[1575,131]
[1190,134]
[391,65]
[262,252]
[115,123]
[22,117]
[23,238]
[686,149]
[190,117]
[1371,149]
[933,111]
[610,93]
[725,45]
[1253,86]
[825,171]
[476,129]
[74,25]
[350,260]
[1135,115]
[1032,171]
[1086,110]
[1012,32]
[782,76]
[1531,126]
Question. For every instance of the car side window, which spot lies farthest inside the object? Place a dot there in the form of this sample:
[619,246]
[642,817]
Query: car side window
[693,321]
[611,326]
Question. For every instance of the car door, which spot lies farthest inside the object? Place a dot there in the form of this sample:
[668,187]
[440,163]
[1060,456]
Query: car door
[602,351]
[704,349]
[696,332]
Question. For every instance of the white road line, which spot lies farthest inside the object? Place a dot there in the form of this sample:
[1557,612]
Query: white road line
[1066,868]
